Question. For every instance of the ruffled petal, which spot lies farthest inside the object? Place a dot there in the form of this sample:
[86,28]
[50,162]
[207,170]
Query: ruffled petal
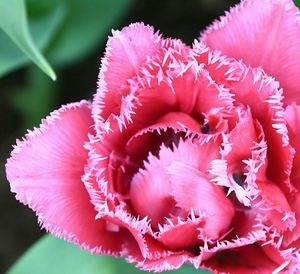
[169,261]
[262,94]
[243,161]
[220,68]
[192,189]
[265,34]
[247,231]
[292,116]
[167,129]
[45,172]
[149,192]
[274,207]
[245,260]
[158,191]
[127,50]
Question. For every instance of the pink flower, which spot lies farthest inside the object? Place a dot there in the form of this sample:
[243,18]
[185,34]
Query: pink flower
[185,155]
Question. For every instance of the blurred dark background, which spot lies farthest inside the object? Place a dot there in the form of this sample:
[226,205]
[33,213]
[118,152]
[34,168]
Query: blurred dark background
[27,95]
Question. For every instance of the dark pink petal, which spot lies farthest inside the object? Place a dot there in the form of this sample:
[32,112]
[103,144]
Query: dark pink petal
[245,260]
[126,52]
[243,161]
[220,68]
[238,149]
[287,259]
[274,207]
[263,34]
[262,94]
[171,233]
[112,206]
[170,260]
[248,235]
[293,235]
[246,229]
[292,116]
[166,130]
[241,139]
[45,172]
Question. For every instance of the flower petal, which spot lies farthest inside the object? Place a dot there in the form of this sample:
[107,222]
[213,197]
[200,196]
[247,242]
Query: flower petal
[126,52]
[152,184]
[150,192]
[292,116]
[245,260]
[262,33]
[262,94]
[274,207]
[45,172]
[193,190]
[166,130]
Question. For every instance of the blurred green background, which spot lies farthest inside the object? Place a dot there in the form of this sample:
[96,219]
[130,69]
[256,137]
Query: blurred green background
[71,34]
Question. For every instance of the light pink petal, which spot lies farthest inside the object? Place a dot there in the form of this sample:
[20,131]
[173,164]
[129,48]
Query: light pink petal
[150,190]
[45,172]
[193,190]
[171,262]
[262,33]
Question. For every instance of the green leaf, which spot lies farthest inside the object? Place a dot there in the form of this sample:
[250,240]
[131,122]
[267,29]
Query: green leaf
[11,57]
[13,21]
[87,24]
[54,256]
[51,255]
[297,3]
[34,99]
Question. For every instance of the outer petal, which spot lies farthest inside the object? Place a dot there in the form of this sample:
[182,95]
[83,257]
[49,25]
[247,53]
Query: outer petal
[262,33]
[45,172]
